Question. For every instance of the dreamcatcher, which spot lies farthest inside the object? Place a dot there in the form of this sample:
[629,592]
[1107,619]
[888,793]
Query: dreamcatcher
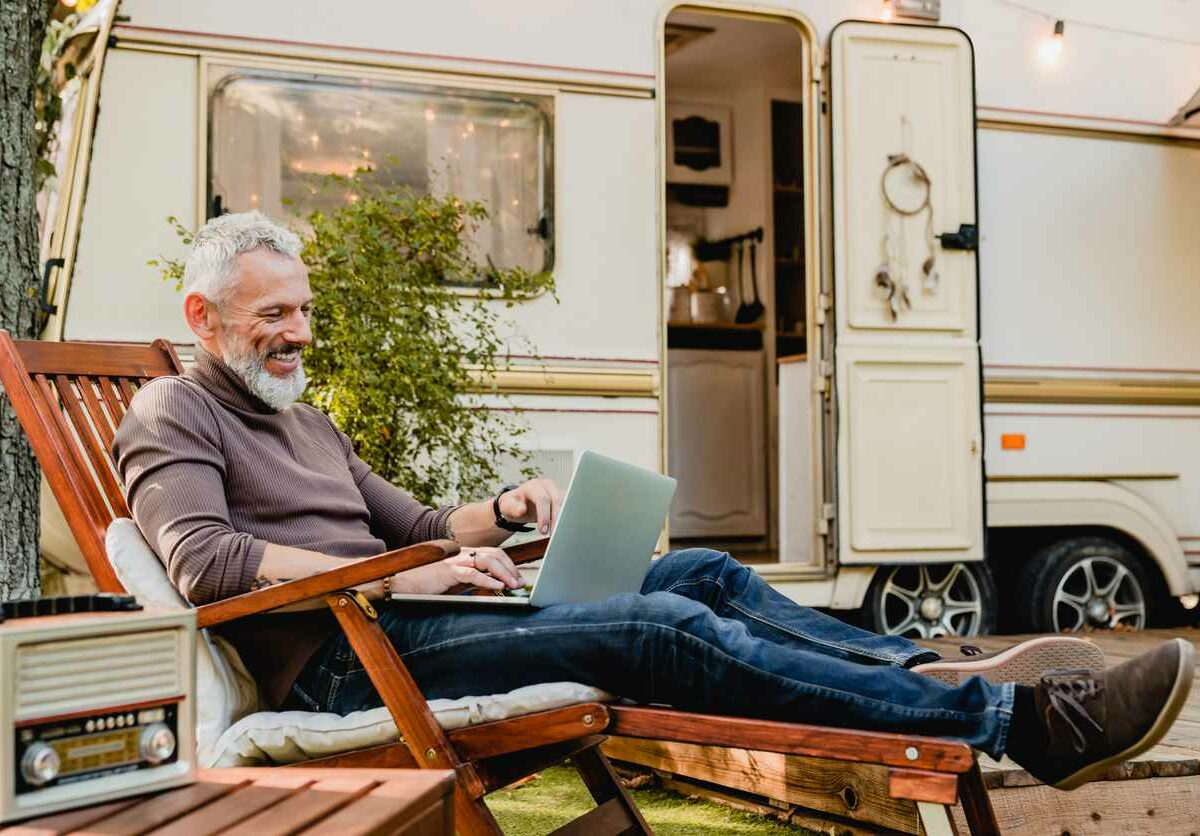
[889,277]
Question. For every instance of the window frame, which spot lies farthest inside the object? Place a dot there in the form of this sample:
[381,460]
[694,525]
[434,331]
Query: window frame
[218,71]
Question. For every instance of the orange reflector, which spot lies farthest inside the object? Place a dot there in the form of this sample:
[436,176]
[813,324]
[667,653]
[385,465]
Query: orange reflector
[1012,441]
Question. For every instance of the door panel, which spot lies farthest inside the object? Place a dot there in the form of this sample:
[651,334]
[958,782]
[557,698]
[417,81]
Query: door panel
[909,428]
[903,90]
[912,436]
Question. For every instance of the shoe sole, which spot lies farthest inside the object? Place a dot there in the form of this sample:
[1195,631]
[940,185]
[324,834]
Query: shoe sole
[1162,724]
[1023,663]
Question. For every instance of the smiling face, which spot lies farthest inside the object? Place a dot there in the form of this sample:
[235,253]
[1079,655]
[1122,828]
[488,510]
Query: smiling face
[262,327]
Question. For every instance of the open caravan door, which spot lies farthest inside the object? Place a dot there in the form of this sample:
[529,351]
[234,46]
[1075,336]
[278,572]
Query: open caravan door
[906,339]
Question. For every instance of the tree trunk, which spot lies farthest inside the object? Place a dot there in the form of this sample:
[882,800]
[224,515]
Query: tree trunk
[22,28]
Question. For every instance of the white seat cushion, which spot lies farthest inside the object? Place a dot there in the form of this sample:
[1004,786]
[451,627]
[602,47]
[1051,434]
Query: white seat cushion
[230,731]
[277,737]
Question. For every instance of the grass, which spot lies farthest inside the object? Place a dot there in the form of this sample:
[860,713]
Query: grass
[557,796]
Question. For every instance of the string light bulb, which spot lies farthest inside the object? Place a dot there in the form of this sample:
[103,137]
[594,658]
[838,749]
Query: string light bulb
[889,11]
[1051,48]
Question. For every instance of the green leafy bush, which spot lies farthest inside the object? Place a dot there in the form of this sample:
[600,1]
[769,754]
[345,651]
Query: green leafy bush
[400,355]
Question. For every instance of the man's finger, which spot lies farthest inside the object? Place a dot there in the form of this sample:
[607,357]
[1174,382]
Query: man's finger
[545,509]
[499,566]
[467,574]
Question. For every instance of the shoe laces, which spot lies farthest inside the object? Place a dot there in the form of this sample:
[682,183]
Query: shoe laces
[1066,691]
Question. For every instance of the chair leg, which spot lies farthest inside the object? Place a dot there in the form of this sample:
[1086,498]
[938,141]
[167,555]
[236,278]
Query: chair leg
[976,805]
[472,816]
[935,819]
[604,785]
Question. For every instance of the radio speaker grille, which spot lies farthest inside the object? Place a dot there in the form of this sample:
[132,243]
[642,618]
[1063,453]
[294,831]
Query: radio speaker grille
[79,674]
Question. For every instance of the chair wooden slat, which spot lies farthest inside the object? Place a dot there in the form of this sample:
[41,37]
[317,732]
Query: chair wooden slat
[108,391]
[102,468]
[105,424]
[126,390]
[55,410]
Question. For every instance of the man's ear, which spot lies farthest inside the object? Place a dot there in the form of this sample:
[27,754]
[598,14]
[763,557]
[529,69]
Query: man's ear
[201,316]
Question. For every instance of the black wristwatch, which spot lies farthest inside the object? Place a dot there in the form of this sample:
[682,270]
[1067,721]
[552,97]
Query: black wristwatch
[501,522]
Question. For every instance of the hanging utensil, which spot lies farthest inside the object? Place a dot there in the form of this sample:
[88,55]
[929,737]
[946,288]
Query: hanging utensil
[744,308]
[751,311]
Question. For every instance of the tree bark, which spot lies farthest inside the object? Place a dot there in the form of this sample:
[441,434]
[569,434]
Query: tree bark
[22,28]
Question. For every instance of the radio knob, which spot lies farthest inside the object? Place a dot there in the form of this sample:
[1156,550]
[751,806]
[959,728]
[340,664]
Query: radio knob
[40,764]
[158,743]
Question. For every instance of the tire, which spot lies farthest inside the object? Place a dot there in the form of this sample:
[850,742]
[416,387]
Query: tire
[894,603]
[1084,583]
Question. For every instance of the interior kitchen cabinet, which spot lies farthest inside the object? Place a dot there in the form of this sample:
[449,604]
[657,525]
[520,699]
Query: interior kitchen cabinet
[716,437]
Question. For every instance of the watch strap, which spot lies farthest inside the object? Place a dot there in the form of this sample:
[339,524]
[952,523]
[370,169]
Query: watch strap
[501,521]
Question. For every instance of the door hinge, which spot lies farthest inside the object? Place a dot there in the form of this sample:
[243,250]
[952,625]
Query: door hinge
[827,516]
[824,304]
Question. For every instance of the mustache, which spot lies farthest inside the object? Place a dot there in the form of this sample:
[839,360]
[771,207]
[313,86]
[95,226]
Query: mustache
[287,347]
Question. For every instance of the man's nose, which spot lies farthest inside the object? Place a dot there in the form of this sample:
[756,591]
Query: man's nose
[298,329]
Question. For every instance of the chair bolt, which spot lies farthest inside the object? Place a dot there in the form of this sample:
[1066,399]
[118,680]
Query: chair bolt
[588,719]
[911,753]
[430,754]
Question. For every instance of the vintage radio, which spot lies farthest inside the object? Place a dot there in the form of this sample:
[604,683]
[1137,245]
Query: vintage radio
[97,702]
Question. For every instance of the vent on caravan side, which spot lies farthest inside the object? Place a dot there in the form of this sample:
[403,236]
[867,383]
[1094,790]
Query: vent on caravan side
[552,464]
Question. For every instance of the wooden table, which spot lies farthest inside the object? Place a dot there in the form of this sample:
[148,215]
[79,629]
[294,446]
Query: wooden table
[262,801]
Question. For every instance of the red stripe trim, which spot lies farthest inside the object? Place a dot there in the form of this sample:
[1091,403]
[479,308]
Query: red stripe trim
[572,357]
[375,51]
[1121,120]
[91,712]
[582,411]
[1190,417]
[1088,368]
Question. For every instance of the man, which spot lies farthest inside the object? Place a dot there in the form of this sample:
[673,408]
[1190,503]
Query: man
[236,486]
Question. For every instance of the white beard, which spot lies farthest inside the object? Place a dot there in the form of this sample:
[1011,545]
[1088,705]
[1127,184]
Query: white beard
[276,392]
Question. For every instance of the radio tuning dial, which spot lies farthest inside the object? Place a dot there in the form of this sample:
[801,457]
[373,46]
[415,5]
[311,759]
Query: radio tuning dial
[158,743]
[39,764]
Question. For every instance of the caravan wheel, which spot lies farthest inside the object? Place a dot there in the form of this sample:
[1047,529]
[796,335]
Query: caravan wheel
[928,601]
[1084,583]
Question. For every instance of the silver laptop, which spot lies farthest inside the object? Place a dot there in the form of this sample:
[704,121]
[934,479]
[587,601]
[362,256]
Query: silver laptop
[603,538]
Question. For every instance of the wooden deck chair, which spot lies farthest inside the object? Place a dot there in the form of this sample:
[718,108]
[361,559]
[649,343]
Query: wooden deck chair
[70,397]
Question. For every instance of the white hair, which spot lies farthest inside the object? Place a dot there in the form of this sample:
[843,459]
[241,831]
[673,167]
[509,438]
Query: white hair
[210,266]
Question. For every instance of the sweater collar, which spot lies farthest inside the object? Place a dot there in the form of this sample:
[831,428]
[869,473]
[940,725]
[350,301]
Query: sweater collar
[225,384]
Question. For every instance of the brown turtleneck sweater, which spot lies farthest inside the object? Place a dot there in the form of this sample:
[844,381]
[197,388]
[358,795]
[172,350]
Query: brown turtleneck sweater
[213,474]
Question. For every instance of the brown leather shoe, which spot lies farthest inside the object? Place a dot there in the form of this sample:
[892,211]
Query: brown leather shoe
[1095,720]
[1022,663]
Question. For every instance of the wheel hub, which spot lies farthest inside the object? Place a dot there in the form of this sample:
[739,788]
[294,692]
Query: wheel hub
[932,608]
[1098,611]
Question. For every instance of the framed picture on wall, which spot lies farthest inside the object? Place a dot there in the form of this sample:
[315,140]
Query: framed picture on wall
[699,144]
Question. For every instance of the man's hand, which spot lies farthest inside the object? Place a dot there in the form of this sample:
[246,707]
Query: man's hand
[482,566]
[538,500]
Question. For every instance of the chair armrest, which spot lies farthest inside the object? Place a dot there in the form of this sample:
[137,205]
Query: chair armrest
[527,552]
[355,572]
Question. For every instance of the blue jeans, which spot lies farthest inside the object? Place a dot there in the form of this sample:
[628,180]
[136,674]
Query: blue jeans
[705,634]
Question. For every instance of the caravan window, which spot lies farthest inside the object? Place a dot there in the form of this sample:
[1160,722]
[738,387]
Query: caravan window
[274,138]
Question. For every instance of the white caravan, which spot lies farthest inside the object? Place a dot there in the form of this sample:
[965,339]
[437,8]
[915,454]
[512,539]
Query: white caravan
[784,234]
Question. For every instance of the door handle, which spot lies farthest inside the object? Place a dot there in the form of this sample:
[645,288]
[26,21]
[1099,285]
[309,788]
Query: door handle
[967,238]
[44,301]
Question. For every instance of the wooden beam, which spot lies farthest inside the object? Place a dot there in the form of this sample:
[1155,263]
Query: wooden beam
[919,785]
[857,792]
[907,751]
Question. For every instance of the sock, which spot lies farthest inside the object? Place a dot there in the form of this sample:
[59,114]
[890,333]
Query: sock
[923,658]
[1026,735]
